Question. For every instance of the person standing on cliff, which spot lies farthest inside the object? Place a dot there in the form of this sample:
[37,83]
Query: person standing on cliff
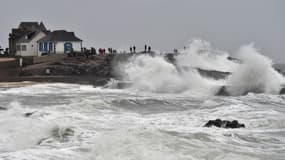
[134,49]
[145,48]
[131,50]
[149,49]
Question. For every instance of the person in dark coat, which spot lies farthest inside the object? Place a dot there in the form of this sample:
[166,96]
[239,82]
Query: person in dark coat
[131,50]
[149,49]
[134,49]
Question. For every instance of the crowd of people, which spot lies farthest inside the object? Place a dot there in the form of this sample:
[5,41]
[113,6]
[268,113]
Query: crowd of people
[103,51]
[147,49]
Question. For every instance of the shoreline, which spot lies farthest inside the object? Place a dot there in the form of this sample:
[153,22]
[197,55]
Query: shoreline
[18,84]
[96,71]
[24,81]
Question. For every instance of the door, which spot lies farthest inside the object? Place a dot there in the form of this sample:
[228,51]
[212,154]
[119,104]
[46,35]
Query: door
[68,47]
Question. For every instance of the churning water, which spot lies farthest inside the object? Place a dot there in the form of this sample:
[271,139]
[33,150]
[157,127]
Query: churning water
[161,117]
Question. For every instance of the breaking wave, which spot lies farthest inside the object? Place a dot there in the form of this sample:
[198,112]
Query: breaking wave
[255,74]
[18,132]
[252,72]
[200,54]
[155,74]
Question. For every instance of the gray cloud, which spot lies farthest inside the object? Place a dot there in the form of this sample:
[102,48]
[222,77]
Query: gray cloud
[165,24]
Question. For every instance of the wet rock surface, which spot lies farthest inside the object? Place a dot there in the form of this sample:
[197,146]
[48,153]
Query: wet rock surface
[3,108]
[224,124]
[282,91]
[222,92]
[69,67]
[217,75]
[96,71]
[58,134]
[29,114]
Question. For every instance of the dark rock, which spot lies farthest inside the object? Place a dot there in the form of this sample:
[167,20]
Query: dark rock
[100,82]
[224,124]
[234,60]
[217,123]
[58,134]
[29,114]
[2,108]
[170,58]
[62,132]
[280,68]
[282,91]
[223,92]
[217,75]
[123,85]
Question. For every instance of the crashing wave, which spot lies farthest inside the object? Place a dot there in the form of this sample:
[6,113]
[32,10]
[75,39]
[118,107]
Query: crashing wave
[201,70]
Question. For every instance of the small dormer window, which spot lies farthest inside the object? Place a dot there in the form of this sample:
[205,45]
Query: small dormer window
[24,48]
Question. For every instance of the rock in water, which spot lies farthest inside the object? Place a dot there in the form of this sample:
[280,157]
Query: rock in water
[282,91]
[124,85]
[29,114]
[2,108]
[224,124]
[223,92]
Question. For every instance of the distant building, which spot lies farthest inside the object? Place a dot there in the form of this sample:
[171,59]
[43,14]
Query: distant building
[59,42]
[23,40]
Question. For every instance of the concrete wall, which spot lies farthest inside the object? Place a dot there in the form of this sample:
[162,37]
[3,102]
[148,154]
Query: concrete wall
[49,58]
[8,63]
[32,46]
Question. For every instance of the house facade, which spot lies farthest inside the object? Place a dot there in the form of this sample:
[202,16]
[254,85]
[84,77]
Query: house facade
[59,42]
[27,45]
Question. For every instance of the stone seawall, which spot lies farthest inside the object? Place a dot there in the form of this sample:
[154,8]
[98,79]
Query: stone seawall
[8,63]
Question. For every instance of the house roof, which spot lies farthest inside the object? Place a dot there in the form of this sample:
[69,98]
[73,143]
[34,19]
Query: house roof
[60,35]
[32,26]
[29,36]
[26,31]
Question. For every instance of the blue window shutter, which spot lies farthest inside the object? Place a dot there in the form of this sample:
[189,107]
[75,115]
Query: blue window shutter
[45,46]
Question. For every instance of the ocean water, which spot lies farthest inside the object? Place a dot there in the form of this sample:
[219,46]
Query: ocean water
[82,122]
[159,117]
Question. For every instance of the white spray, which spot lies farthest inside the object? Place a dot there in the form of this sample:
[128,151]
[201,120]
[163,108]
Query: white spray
[255,74]
[155,74]
[200,54]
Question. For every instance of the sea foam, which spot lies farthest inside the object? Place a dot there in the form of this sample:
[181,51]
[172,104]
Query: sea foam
[252,73]
[255,74]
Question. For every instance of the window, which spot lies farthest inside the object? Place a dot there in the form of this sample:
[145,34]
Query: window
[18,47]
[24,48]
[41,47]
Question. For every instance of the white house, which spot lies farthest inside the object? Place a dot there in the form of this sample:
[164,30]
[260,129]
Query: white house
[27,44]
[59,42]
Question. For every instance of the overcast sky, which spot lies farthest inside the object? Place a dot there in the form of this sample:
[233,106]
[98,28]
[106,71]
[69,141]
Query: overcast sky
[164,24]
